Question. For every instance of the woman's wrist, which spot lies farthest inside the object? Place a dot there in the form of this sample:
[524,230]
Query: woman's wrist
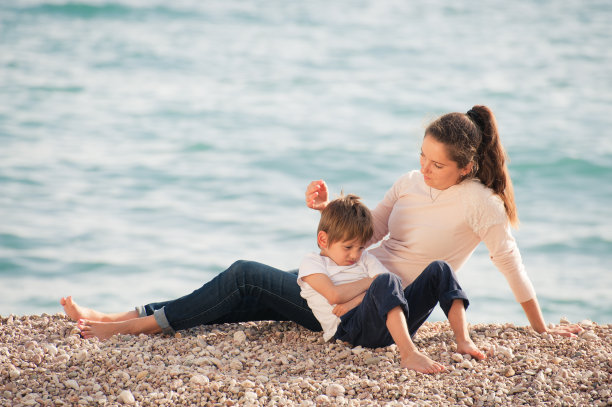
[534,315]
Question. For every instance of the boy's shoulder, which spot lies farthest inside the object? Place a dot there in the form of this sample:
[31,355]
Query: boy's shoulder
[371,264]
[312,260]
[313,263]
[313,257]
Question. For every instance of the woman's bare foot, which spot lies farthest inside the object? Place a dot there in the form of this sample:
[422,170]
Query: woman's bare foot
[101,330]
[468,347]
[104,330]
[76,312]
[421,363]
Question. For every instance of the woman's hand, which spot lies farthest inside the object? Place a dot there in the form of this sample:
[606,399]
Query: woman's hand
[534,314]
[565,330]
[317,195]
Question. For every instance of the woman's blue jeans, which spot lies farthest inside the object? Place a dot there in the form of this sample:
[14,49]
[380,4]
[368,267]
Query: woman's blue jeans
[246,291]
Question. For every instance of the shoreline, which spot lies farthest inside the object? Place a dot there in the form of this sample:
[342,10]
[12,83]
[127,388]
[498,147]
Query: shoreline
[45,362]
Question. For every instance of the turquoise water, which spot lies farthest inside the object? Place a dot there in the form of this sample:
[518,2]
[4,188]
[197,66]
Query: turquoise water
[146,145]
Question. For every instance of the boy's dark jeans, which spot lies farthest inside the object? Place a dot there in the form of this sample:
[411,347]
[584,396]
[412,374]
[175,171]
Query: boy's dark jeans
[365,324]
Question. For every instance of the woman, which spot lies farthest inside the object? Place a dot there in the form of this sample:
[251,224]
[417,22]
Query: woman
[463,195]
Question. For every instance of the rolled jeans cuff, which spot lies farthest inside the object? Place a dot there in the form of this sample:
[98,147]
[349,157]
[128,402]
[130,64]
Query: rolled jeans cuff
[160,318]
[141,310]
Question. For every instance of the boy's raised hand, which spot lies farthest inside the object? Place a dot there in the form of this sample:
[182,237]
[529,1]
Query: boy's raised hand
[317,196]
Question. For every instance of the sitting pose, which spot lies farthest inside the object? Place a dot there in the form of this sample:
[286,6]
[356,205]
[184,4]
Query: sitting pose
[461,197]
[385,313]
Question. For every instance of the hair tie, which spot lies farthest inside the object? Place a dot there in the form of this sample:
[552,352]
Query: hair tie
[473,116]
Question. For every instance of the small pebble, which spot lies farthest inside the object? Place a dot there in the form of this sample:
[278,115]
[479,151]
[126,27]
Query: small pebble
[505,352]
[239,337]
[334,390]
[72,384]
[126,397]
[199,379]
[466,364]
[81,356]
[357,350]
[589,336]
[236,364]
[374,360]
[14,373]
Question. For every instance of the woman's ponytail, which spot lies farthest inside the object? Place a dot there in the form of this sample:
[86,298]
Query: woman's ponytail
[492,169]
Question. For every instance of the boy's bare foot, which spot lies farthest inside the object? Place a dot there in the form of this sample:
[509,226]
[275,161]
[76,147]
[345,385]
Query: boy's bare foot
[468,347]
[76,312]
[421,363]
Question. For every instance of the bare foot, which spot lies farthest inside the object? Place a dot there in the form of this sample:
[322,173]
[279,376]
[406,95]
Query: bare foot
[104,329]
[468,347]
[421,363]
[97,329]
[76,312]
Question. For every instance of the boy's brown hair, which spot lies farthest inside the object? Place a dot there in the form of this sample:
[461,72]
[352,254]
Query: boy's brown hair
[346,218]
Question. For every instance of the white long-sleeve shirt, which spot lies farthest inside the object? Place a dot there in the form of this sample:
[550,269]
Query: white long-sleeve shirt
[426,224]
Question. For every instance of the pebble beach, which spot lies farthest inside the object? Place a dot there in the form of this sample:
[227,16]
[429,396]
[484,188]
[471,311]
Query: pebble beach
[45,362]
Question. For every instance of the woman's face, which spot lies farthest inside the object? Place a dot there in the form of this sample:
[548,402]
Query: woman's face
[439,170]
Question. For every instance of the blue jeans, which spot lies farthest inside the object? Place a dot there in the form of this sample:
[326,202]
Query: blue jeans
[366,324]
[246,291]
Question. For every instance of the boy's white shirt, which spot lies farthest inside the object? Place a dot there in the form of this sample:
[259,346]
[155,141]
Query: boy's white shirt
[314,263]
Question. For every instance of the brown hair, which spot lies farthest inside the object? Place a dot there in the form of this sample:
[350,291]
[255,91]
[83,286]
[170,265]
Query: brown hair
[346,218]
[473,137]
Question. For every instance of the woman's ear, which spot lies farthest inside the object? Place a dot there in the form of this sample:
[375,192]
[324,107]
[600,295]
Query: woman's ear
[322,239]
[467,169]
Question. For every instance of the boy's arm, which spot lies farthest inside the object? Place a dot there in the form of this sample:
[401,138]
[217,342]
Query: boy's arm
[337,294]
[343,308]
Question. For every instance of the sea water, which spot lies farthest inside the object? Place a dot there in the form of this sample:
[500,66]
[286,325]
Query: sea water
[146,145]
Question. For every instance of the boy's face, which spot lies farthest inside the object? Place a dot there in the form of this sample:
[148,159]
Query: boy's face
[343,253]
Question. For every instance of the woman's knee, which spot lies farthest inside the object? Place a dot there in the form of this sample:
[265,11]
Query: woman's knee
[251,273]
[237,267]
[238,270]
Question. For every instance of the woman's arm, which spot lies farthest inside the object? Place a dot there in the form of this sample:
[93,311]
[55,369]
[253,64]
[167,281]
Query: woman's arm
[506,256]
[337,294]
[534,314]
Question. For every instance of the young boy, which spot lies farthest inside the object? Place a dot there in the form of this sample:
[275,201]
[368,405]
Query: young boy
[358,301]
